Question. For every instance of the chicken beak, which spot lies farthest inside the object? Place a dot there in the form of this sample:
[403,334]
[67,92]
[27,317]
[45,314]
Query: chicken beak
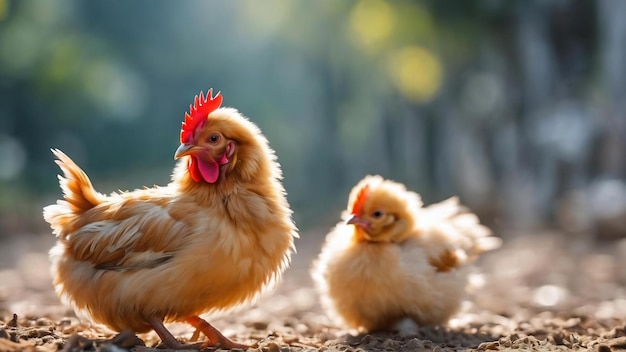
[357,221]
[183,149]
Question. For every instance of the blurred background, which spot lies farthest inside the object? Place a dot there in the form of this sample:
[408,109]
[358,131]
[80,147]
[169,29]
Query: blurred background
[517,107]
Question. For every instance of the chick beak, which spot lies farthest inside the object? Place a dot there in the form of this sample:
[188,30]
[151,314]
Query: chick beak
[357,221]
[183,149]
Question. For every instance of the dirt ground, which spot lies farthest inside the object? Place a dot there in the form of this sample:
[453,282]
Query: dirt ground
[539,292]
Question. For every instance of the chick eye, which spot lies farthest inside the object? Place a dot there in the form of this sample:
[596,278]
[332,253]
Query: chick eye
[377,214]
[214,138]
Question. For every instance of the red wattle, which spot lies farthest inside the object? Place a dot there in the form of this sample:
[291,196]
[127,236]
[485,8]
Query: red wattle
[210,170]
[193,169]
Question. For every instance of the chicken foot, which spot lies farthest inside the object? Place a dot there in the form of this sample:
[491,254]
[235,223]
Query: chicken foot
[168,339]
[215,338]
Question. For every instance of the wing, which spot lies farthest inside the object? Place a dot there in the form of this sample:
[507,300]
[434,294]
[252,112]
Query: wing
[454,234]
[131,233]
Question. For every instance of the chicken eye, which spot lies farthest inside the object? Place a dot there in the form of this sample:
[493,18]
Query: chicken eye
[377,214]
[214,138]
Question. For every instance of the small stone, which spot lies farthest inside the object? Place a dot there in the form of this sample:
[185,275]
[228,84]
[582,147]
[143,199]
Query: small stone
[391,344]
[414,344]
[489,346]
[127,339]
[47,339]
[39,332]
[618,343]
[11,323]
[356,340]
[78,342]
[43,322]
[258,325]
[289,339]
[273,347]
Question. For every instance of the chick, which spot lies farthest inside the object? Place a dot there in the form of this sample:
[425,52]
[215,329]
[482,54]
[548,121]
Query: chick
[391,259]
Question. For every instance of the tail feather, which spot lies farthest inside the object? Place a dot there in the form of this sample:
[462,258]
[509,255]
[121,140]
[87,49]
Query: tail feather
[76,186]
[451,220]
[78,192]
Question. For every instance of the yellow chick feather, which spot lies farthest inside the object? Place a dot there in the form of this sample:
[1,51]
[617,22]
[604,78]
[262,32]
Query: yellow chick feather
[394,259]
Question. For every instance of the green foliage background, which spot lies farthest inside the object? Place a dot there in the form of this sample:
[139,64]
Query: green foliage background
[516,106]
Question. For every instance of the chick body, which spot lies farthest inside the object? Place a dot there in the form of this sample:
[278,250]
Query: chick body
[370,276]
[371,286]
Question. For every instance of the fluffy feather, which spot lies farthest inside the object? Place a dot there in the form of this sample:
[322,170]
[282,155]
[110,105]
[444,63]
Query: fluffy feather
[390,258]
[134,259]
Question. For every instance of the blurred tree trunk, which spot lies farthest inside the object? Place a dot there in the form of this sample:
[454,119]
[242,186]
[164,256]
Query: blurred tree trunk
[613,52]
[535,52]
[328,167]
[415,134]
[538,79]
[405,142]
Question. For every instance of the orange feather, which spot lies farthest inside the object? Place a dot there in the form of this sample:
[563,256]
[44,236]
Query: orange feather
[132,260]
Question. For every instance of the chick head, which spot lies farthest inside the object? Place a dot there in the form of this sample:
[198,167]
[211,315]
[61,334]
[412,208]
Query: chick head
[382,210]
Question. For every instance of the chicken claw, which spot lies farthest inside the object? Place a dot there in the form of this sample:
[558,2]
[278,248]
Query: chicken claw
[168,339]
[214,337]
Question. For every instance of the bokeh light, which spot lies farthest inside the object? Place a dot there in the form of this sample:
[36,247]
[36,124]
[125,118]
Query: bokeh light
[4,9]
[371,23]
[416,72]
[118,90]
[265,17]
[20,45]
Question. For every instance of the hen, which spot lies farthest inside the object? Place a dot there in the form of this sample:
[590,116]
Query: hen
[214,238]
[391,259]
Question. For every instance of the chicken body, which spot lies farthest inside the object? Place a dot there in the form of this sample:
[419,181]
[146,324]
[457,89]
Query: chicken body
[132,260]
[391,259]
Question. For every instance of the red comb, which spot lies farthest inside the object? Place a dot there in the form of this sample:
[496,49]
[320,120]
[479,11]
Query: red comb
[198,113]
[357,207]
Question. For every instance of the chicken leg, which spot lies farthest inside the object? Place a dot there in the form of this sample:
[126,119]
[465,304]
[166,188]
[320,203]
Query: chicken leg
[215,338]
[168,339]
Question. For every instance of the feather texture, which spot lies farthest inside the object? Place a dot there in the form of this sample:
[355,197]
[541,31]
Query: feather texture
[395,259]
[178,251]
